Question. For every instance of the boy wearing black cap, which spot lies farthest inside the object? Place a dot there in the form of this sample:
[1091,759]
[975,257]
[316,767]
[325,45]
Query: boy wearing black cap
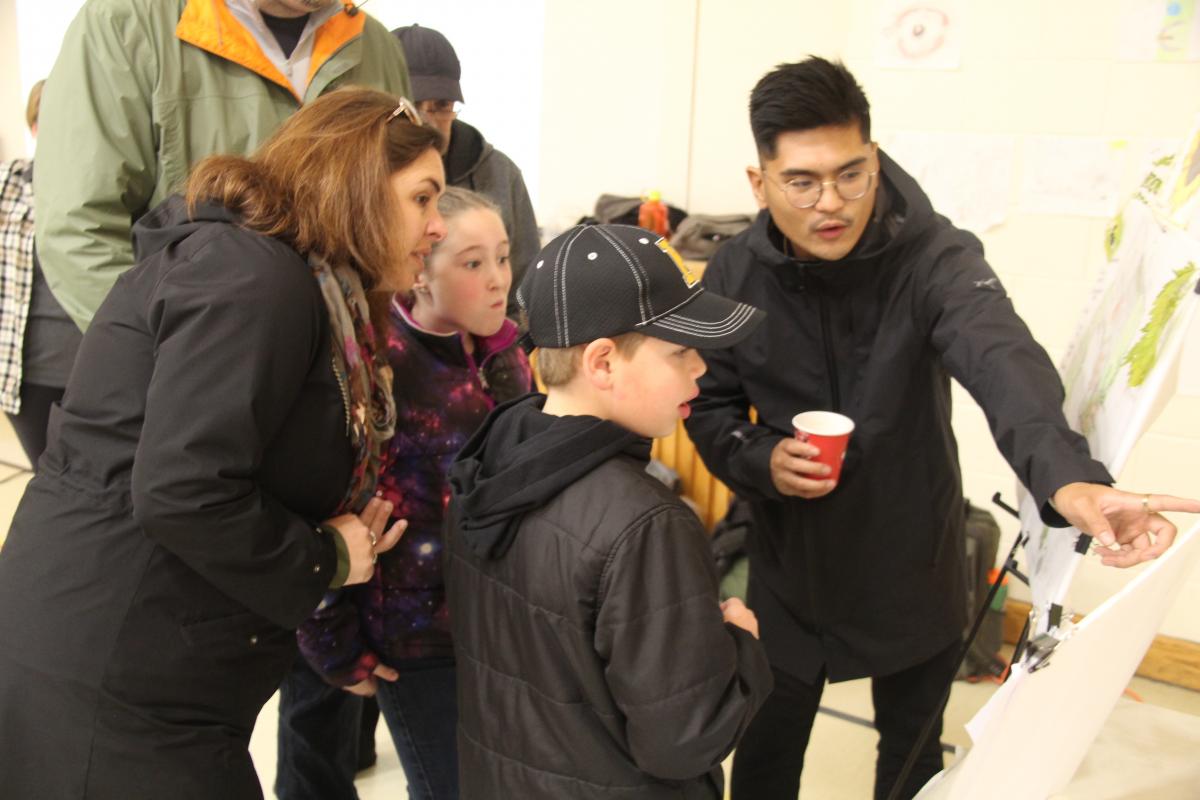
[594,659]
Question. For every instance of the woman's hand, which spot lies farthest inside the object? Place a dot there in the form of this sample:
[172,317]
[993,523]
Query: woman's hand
[365,539]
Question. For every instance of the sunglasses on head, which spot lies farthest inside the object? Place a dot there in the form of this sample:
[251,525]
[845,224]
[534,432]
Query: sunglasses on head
[408,110]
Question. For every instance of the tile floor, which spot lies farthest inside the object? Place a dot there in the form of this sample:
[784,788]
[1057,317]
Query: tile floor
[840,759]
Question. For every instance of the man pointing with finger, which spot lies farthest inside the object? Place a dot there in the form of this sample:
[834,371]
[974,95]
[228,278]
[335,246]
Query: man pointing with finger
[874,303]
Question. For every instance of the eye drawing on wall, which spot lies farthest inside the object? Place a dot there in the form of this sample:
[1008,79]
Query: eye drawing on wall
[919,35]
[1173,37]
[920,32]
[1159,30]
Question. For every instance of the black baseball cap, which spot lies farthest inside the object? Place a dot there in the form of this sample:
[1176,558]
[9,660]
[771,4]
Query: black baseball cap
[595,281]
[433,67]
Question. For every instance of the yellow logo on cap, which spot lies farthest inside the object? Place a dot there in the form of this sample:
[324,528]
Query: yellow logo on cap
[689,277]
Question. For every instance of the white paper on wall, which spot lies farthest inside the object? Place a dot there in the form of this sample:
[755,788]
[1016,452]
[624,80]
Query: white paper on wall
[968,177]
[920,34]
[1158,30]
[1073,175]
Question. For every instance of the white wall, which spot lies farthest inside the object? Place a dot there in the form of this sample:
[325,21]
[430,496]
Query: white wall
[12,101]
[500,48]
[629,96]
[616,87]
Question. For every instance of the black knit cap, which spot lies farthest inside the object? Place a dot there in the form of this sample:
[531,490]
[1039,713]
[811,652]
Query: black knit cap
[595,281]
[433,67]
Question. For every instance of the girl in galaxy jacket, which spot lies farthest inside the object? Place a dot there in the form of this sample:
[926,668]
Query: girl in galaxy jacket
[454,355]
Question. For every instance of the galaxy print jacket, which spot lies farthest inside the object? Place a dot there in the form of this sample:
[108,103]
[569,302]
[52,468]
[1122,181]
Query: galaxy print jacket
[442,395]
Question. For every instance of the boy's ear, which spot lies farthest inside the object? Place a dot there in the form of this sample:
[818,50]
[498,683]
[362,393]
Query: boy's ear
[596,363]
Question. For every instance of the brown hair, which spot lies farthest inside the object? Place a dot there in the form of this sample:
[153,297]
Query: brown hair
[556,366]
[455,200]
[32,105]
[321,181]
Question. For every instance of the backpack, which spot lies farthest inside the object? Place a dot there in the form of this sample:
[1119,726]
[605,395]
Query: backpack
[699,236]
[982,543]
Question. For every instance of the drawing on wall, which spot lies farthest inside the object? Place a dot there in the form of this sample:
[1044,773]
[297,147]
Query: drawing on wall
[1073,175]
[919,34]
[1159,30]
[968,177]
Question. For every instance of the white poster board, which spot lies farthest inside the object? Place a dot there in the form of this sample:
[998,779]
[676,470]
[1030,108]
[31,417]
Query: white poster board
[1120,367]
[1035,731]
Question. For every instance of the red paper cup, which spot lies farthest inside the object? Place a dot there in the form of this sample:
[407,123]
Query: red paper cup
[829,432]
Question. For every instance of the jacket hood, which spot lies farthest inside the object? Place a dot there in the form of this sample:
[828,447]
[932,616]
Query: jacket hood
[902,213]
[170,223]
[468,150]
[520,459]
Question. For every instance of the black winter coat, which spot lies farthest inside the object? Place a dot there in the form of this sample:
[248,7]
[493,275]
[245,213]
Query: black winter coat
[592,658]
[869,579]
[162,556]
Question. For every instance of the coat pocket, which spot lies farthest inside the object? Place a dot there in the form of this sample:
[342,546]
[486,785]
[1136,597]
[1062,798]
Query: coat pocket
[234,635]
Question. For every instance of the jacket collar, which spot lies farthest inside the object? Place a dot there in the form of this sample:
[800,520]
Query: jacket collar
[220,27]
[451,343]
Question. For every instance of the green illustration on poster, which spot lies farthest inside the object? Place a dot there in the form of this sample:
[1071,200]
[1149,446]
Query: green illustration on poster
[1186,190]
[1143,356]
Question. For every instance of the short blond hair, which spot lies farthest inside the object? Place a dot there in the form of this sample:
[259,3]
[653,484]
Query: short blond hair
[556,366]
[34,103]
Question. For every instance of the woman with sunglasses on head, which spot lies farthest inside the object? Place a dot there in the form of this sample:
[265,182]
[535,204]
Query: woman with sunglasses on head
[211,470]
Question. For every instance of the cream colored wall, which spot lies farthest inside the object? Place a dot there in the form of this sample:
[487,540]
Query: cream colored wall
[12,101]
[616,83]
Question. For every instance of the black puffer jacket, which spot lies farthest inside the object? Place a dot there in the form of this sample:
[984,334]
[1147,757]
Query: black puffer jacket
[869,579]
[592,658]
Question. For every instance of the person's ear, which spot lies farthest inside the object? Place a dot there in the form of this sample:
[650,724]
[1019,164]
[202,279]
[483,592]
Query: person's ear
[421,283]
[755,176]
[598,361]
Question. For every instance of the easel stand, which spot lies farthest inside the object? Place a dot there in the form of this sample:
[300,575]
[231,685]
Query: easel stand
[1039,649]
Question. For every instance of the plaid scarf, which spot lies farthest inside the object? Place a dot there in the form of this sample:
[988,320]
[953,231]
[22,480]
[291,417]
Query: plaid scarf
[363,375]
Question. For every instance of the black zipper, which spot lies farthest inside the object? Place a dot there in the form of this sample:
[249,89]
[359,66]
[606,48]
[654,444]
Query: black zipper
[830,361]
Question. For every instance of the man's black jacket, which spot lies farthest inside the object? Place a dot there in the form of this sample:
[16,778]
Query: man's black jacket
[869,579]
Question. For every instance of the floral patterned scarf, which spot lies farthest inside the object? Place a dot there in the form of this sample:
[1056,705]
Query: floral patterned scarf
[363,375]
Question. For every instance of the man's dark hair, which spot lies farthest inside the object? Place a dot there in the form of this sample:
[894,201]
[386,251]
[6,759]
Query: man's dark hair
[809,94]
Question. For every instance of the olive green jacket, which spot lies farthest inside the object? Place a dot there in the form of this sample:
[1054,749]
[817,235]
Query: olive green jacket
[143,89]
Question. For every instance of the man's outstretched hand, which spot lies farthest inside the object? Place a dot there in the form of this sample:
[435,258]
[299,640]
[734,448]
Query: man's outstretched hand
[1130,521]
